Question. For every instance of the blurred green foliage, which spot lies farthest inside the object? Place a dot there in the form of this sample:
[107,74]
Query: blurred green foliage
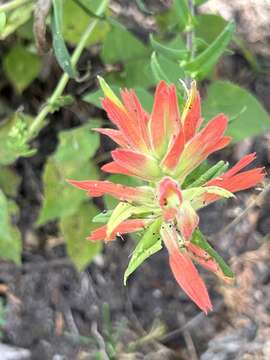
[124,60]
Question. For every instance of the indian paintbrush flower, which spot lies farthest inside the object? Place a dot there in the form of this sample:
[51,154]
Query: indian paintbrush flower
[165,149]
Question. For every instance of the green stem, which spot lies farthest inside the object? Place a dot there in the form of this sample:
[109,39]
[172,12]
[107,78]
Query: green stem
[48,108]
[190,37]
[11,5]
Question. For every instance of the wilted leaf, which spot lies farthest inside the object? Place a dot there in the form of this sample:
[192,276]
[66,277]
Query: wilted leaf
[42,9]
[70,161]
[10,238]
[21,67]
[247,116]
[75,229]
[76,20]
[149,244]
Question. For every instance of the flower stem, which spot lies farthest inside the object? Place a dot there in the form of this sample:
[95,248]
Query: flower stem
[50,105]
[11,5]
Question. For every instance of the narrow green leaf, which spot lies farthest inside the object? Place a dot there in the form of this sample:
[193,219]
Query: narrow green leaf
[211,173]
[159,74]
[169,52]
[3,21]
[75,229]
[194,192]
[149,244]
[102,217]
[10,238]
[122,212]
[59,46]
[203,63]
[199,240]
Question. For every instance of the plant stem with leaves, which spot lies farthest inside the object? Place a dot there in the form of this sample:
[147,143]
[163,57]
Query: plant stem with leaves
[50,105]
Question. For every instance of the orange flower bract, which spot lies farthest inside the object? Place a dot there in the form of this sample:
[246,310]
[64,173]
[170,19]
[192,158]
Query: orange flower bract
[162,149]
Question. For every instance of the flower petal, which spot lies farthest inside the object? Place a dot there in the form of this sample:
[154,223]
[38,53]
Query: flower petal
[202,145]
[115,168]
[171,159]
[125,227]
[115,135]
[187,220]
[141,165]
[184,270]
[125,193]
[165,117]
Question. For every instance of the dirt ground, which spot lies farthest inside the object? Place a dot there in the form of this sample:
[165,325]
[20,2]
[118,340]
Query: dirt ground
[57,313]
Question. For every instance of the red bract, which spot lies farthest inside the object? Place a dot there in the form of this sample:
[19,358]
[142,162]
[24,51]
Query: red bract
[163,149]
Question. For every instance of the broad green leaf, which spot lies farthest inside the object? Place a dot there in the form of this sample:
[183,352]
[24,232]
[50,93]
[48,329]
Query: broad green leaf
[149,244]
[21,67]
[9,181]
[137,73]
[10,238]
[59,45]
[144,96]
[199,240]
[165,69]
[113,50]
[111,202]
[201,65]
[103,217]
[75,229]
[70,161]
[78,144]
[208,27]
[214,171]
[13,138]
[122,212]
[167,51]
[76,20]
[15,19]
[248,117]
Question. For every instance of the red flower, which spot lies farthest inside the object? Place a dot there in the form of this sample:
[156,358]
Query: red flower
[163,148]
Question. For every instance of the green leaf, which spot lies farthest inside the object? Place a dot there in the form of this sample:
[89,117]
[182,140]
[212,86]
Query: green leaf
[59,45]
[192,193]
[149,244]
[204,62]
[200,2]
[75,229]
[248,117]
[214,171]
[21,67]
[209,26]
[102,217]
[177,18]
[9,181]
[76,20]
[199,240]
[13,138]
[70,161]
[122,212]
[15,19]
[3,21]
[144,96]
[169,52]
[164,69]
[112,51]
[10,238]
